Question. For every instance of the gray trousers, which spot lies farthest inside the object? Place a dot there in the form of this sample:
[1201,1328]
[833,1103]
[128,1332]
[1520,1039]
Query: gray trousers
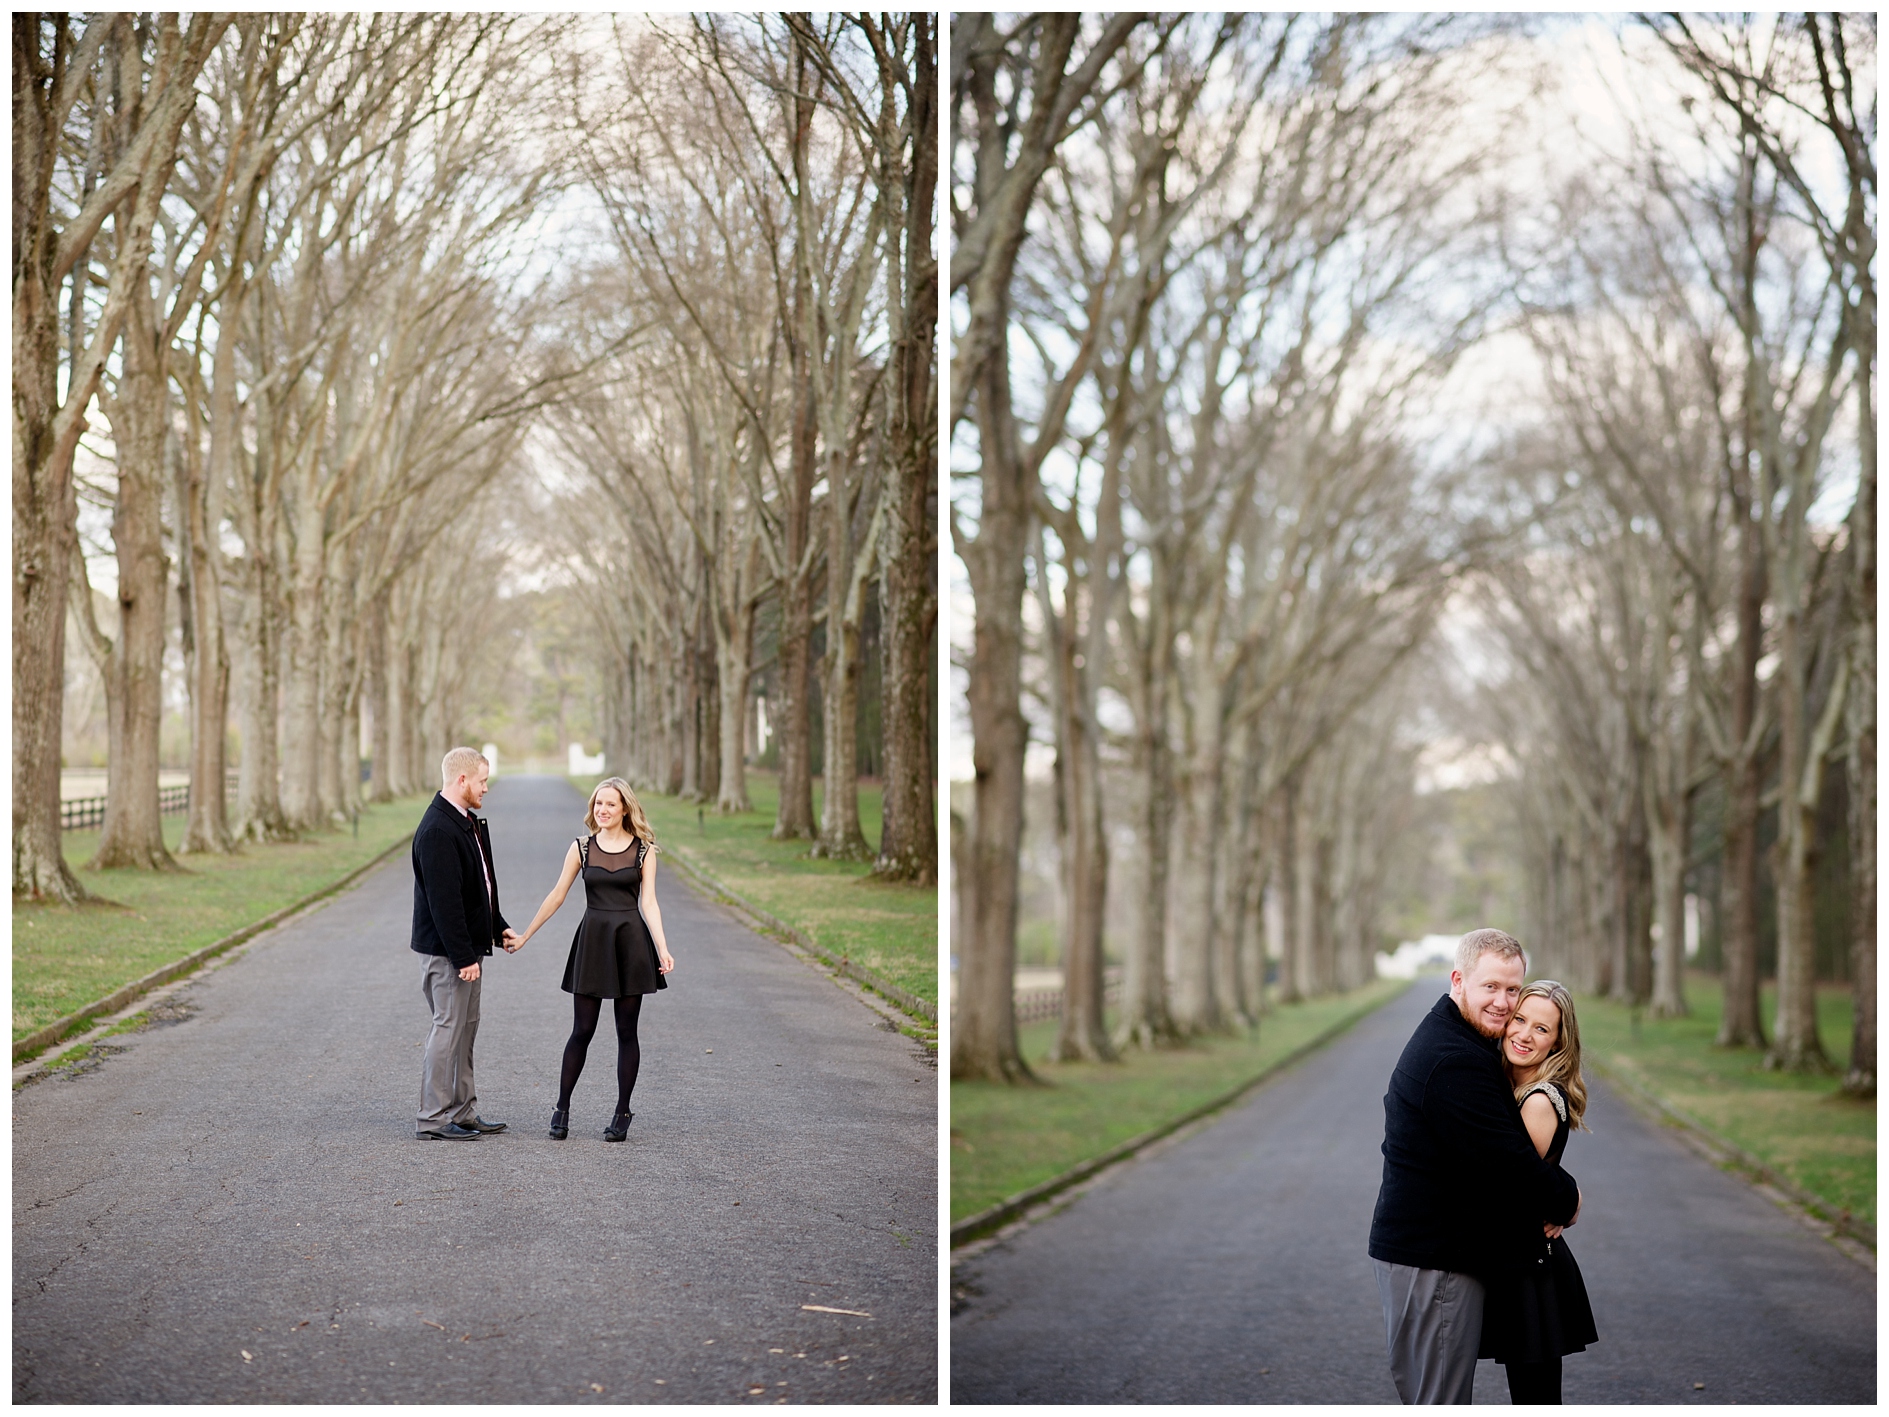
[1433,1324]
[446,1093]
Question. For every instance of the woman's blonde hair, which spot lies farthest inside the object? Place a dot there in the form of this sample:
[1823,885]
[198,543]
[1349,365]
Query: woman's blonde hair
[632,811]
[1562,1067]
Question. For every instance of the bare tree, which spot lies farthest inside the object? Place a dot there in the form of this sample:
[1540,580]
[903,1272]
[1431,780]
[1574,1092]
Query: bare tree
[136,100]
[1769,79]
[1016,96]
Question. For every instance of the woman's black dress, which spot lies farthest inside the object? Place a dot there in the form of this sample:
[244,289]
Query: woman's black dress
[1541,1313]
[612,954]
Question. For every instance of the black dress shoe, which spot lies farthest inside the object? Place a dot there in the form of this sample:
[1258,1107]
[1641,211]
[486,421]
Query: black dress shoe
[619,1127]
[479,1124]
[452,1131]
[560,1123]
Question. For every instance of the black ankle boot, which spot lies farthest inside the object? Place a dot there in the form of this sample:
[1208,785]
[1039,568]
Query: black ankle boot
[560,1123]
[619,1127]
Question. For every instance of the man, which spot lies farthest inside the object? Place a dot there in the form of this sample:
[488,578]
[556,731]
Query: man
[1465,1194]
[456,921]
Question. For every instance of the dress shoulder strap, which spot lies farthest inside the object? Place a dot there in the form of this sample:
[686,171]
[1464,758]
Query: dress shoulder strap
[642,851]
[583,850]
[1554,1096]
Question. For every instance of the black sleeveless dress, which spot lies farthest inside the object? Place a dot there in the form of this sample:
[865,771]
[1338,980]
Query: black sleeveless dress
[612,954]
[1540,1313]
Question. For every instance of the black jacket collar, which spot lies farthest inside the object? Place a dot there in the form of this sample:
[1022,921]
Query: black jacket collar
[1452,1017]
[469,820]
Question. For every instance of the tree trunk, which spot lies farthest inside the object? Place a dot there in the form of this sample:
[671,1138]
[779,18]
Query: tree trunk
[1305,918]
[984,1031]
[1229,882]
[1631,922]
[840,836]
[1294,983]
[1670,824]
[1795,1044]
[1740,1026]
[374,689]
[133,835]
[848,566]
[1083,840]
[258,801]
[908,596]
[1198,1007]
[735,650]
[206,658]
[1145,1021]
[678,709]
[1859,1079]
[301,725]
[793,821]
[707,700]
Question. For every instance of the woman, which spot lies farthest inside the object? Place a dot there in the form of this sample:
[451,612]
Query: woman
[1532,1319]
[618,952]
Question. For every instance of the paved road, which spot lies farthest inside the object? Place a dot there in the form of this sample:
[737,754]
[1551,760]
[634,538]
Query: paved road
[236,1210]
[1230,1266]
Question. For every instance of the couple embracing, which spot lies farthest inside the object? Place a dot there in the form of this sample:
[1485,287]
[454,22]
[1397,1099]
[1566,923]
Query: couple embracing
[1466,1240]
[618,953]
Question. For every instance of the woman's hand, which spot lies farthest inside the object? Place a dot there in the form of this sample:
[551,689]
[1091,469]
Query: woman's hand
[665,961]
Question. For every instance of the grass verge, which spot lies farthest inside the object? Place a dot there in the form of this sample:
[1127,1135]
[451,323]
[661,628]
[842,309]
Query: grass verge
[1801,1127]
[67,957]
[1006,1139]
[890,929]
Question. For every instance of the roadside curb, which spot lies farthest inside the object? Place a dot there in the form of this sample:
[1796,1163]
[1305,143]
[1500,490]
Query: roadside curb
[996,1217]
[60,1029]
[1853,1237]
[768,923]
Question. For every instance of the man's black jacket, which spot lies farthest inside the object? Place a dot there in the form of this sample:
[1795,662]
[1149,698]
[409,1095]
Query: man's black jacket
[452,914]
[1463,1187]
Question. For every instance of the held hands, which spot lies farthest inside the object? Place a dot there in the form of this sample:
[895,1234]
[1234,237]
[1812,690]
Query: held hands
[1553,1232]
[513,941]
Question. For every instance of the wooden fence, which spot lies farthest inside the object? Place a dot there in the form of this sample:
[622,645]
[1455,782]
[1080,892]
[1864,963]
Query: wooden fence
[1035,1005]
[78,812]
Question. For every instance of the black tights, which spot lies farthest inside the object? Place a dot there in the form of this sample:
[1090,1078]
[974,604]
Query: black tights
[586,1009]
[1536,1384]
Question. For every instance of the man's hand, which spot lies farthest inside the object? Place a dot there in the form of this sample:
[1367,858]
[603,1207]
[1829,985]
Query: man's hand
[470,972]
[512,940]
[1553,1232]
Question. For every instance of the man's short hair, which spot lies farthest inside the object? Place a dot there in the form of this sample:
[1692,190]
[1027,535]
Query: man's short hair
[456,761]
[1478,943]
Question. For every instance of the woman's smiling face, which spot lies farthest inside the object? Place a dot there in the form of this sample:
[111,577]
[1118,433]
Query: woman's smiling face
[1532,1033]
[607,808]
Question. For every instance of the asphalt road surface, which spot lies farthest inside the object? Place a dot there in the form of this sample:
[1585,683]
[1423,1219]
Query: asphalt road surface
[1230,1266]
[235,1208]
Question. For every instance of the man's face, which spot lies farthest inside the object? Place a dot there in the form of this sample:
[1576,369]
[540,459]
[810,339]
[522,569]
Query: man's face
[1487,994]
[476,781]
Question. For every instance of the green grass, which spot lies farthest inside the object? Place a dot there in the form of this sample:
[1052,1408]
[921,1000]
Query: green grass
[65,958]
[1005,1139]
[1801,1127]
[890,929]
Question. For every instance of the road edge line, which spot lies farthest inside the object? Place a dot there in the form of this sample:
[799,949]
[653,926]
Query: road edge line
[1854,1238]
[993,1218]
[60,1030]
[770,924]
